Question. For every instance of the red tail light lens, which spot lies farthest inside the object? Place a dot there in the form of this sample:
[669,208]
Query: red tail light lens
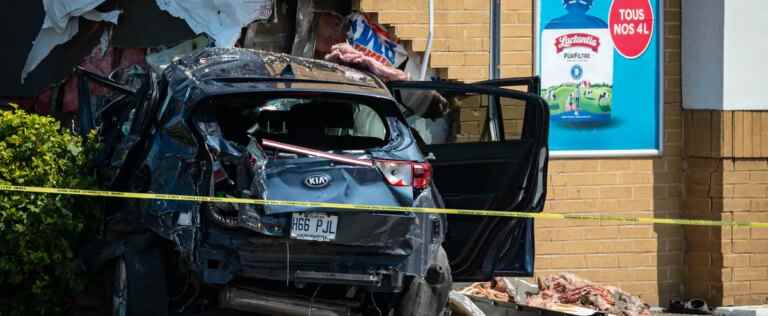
[422,175]
[406,173]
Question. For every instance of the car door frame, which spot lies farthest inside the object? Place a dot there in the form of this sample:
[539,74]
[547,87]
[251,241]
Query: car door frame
[537,110]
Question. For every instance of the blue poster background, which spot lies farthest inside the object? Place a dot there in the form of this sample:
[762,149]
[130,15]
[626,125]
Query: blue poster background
[636,94]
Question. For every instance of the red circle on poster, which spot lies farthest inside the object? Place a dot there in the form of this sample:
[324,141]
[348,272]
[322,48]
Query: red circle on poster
[631,26]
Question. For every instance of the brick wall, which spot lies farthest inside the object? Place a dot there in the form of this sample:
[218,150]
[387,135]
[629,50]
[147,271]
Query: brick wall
[643,259]
[745,250]
[727,265]
[727,178]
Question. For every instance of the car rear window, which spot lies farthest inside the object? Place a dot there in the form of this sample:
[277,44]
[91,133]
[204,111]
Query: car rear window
[312,122]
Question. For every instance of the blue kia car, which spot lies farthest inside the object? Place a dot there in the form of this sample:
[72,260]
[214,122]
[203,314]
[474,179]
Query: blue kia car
[251,124]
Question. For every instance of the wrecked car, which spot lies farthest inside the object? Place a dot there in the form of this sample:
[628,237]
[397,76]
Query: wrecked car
[249,124]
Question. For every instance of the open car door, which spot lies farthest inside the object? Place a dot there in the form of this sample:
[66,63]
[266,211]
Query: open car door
[488,148]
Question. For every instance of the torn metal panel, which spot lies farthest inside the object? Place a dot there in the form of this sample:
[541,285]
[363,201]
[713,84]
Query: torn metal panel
[222,20]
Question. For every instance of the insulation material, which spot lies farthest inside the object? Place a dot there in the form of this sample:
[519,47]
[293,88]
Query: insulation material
[222,20]
[494,290]
[60,24]
[566,288]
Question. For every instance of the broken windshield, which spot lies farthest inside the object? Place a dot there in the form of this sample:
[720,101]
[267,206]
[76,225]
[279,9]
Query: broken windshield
[319,123]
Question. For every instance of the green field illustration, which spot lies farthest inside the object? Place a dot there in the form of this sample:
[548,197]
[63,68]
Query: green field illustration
[592,99]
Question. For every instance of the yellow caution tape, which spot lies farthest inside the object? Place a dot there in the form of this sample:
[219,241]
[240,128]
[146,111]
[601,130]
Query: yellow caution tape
[384,208]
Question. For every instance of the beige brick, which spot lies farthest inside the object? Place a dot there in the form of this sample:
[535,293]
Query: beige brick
[393,17]
[642,165]
[639,288]
[560,262]
[635,178]
[735,288]
[438,44]
[440,59]
[750,246]
[460,17]
[646,192]
[593,179]
[735,260]
[614,165]
[758,177]
[750,164]
[449,5]
[749,191]
[749,300]
[602,261]
[615,192]
[736,177]
[726,275]
[472,59]
[468,72]
[516,58]
[516,5]
[635,205]
[475,4]
[757,233]
[636,232]
[637,260]
[408,31]
[517,44]
[516,71]
[758,287]
[750,274]
[758,260]
[476,30]
[516,30]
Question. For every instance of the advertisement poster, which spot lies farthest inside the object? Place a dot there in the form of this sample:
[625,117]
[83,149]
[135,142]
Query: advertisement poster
[600,64]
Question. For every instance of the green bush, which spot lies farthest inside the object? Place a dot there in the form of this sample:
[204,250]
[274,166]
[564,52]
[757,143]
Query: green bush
[38,231]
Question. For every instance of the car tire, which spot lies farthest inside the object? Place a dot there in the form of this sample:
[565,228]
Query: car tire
[428,295]
[135,285]
[117,297]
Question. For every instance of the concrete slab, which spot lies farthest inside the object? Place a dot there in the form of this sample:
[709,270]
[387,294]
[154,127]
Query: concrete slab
[757,310]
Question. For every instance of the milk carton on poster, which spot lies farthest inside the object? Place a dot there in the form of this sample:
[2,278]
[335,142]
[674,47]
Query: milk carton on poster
[577,65]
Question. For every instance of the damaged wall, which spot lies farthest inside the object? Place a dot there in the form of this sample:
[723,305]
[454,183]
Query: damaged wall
[644,260]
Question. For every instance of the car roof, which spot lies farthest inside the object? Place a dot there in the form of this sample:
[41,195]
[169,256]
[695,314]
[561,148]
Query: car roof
[231,68]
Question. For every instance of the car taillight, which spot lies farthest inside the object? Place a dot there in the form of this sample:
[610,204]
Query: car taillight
[422,175]
[405,173]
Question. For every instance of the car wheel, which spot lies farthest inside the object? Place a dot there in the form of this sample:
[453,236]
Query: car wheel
[135,285]
[428,295]
[119,289]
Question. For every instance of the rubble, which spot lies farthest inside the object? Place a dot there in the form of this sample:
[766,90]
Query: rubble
[494,290]
[563,292]
[566,288]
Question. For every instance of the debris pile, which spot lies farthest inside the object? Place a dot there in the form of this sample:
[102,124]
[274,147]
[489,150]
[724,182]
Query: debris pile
[566,288]
[559,291]
[495,290]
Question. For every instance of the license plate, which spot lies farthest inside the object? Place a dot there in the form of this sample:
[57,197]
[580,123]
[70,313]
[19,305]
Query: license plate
[314,226]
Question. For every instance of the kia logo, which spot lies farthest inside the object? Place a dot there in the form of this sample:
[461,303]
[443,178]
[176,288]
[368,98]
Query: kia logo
[317,180]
